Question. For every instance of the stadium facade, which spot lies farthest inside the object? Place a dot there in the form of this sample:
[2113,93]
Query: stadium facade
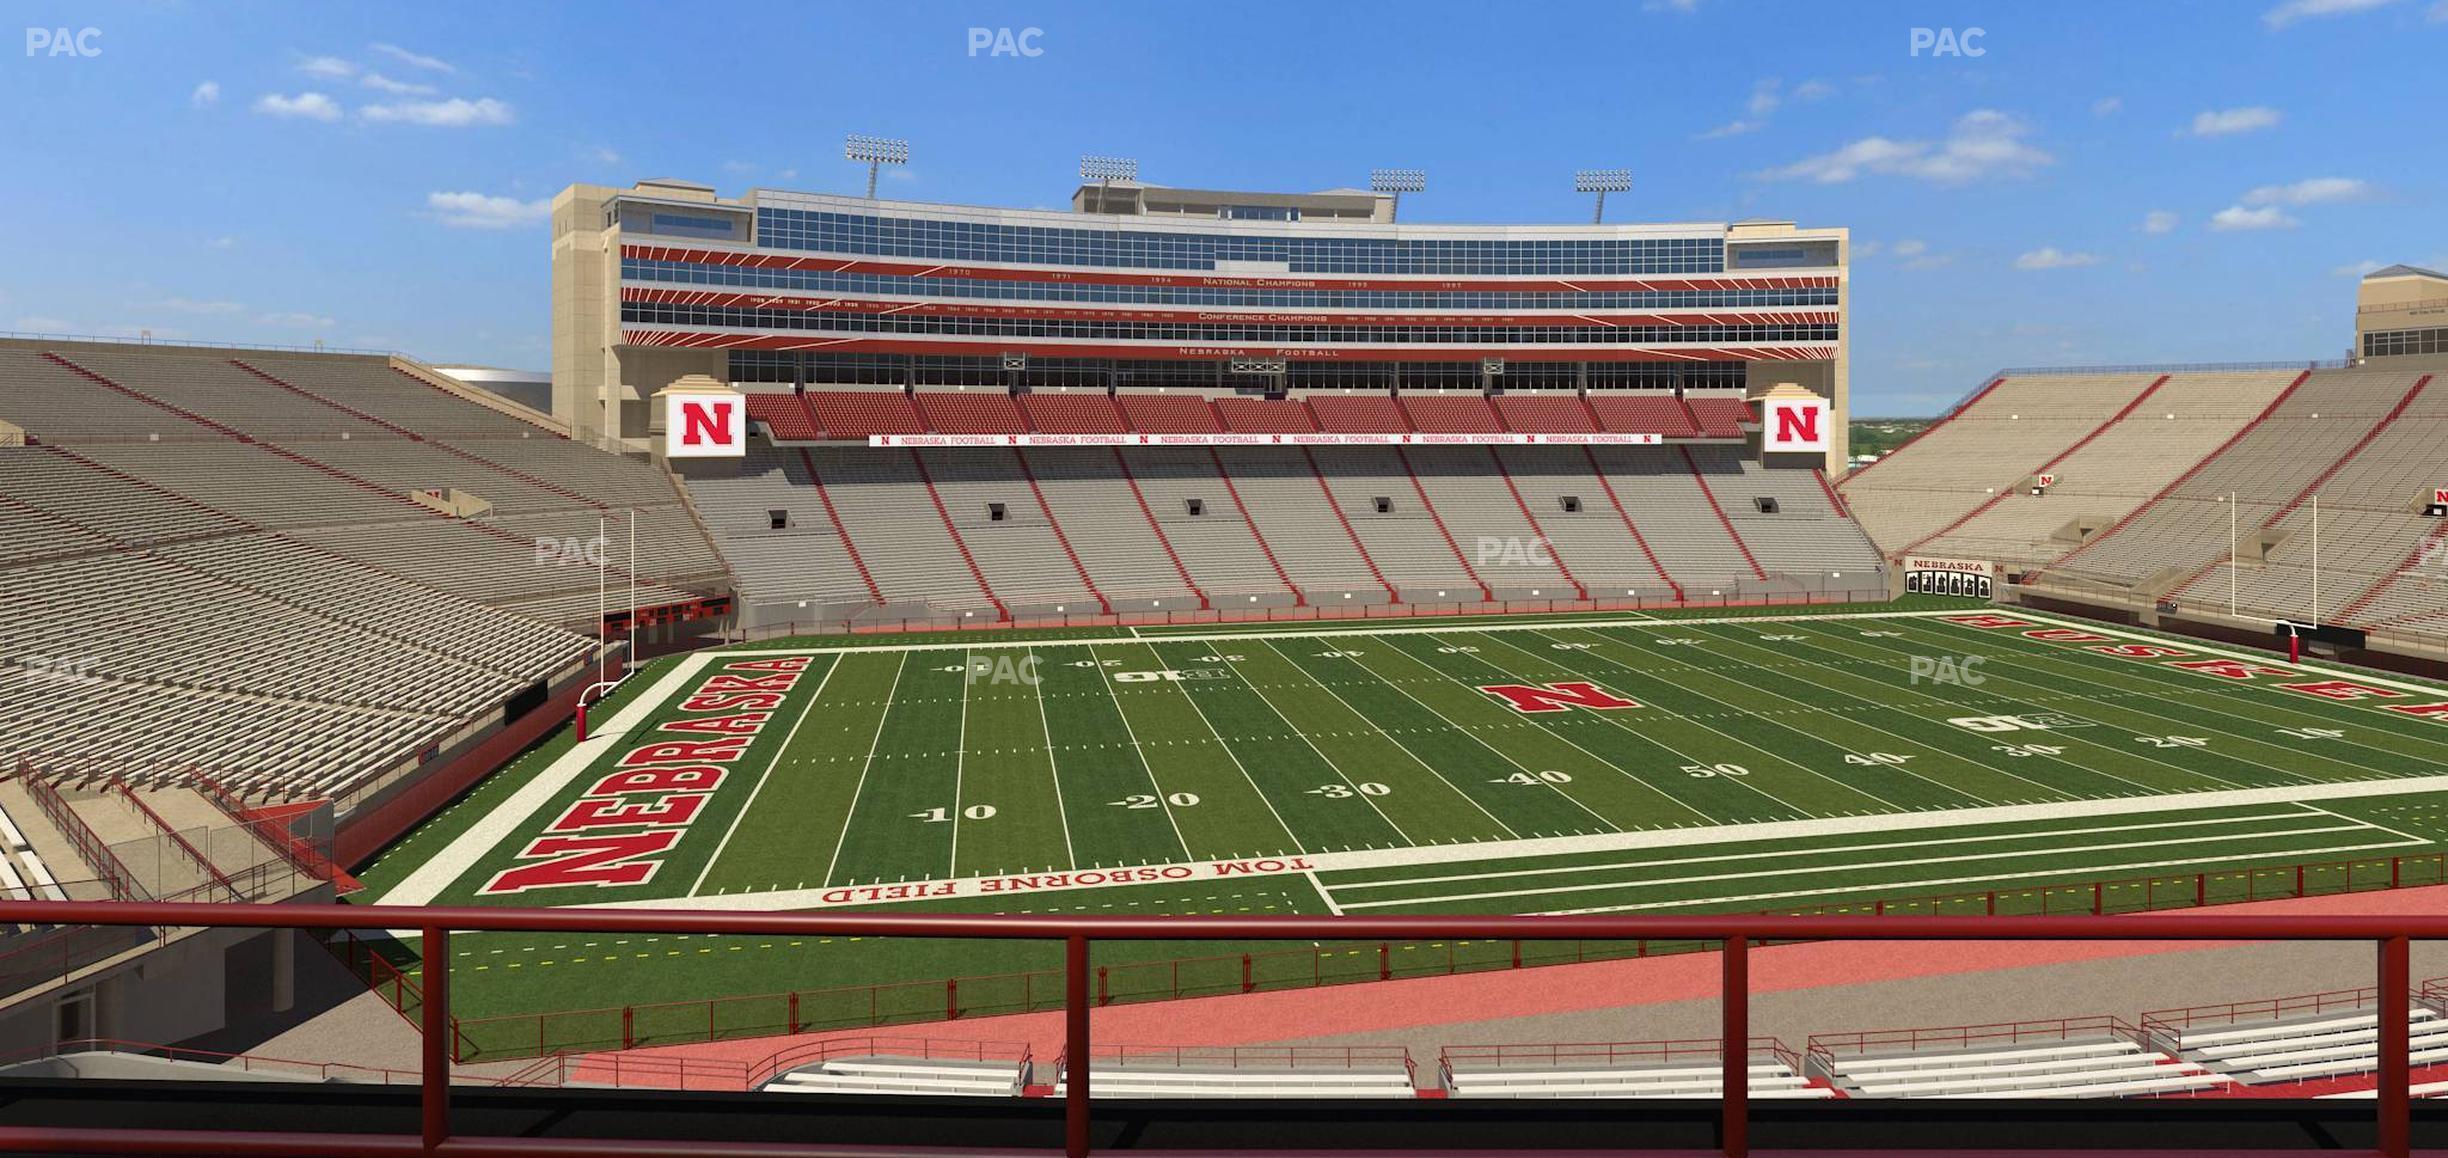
[1143,286]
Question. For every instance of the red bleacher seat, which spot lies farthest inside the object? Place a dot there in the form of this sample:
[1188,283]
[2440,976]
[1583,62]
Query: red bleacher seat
[782,414]
[1073,414]
[1262,416]
[971,413]
[1542,413]
[857,414]
[1451,414]
[1169,414]
[1358,414]
[1721,416]
[1643,414]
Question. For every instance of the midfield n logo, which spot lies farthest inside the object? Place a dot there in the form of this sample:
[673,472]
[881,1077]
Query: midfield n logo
[1558,697]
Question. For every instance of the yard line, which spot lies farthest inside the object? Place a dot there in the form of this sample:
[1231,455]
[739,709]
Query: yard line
[1053,766]
[770,765]
[2361,821]
[1913,843]
[1161,801]
[1961,858]
[960,763]
[1323,758]
[1332,908]
[1323,686]
[1229,754]
[1943,882]
[851,813]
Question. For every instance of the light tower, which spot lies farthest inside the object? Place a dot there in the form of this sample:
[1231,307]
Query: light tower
[877,152]
[1105,171]
[1602,182]
[1397,182]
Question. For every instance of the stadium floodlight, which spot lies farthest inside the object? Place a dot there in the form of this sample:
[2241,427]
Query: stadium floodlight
[877,152]
[1397,182]
[1601,182]
[1105,171]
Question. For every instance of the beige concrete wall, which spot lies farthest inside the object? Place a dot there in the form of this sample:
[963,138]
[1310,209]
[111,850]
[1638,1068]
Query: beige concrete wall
[586,319]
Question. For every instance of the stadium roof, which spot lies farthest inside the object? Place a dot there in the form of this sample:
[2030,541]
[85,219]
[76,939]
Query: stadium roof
[2406,271]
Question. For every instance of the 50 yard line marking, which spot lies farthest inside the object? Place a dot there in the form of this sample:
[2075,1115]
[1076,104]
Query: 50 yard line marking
[813,699]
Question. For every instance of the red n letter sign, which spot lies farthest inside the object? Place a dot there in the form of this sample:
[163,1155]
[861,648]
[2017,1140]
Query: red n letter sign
[704,425]
[1557,697]
[1795,424]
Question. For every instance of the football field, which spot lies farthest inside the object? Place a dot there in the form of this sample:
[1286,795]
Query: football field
[1589,765]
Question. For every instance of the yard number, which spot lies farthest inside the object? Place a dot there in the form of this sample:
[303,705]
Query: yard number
[941,815]
[1340,654]
[2313,733]
[1344,791]
[1707,771]
[1545,776]
[2019,751]
[1465,649]
[1146,800]
[1874,759]
[2174,741]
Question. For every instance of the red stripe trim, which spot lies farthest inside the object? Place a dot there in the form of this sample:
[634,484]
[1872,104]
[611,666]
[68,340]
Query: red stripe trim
[1928,430]
[1348,531]
[958,543]
[1637,538]
[1405,458]
[1535,528]
[839,528]
[1212,352]
[1719,510]
[2043,468]
[1225,477]
[969,309]
[2188,474]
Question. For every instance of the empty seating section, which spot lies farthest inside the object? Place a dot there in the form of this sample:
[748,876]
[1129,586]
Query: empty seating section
[1544,413]
[1581,525]
[1659,490]
[1169,414]
[785,416]
[2124,464]
[966,413]
[855,414]
[1451,414]
[375,627]
[805,560]
[884,506]
[2092,1057]
[1358,413]
[1718,416]
[1500,542]
[1206,528]
[1265,416]
[2295,1039]
[1659,414]
[1281,494]
[1091,500]
[1016,548]
[1397,531]
[1073,413]
[1804,534]
[898,1075]
[1254,1072]
[1634,1070]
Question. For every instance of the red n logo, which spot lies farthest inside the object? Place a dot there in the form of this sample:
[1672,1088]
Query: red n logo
[1558,697]
[1797,424]
[585,860]
[700,421]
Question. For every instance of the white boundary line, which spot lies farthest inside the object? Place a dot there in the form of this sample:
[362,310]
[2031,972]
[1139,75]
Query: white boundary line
[813,699]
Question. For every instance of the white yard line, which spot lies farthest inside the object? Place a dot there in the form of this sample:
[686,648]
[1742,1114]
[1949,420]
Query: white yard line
[2360,820]
[510,817]
[873,746]
[1140,753]
[770,765]
[1054,767]
[1229,754]
[960,767]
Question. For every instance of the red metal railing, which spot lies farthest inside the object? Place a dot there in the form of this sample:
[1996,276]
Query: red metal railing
[912,1002]
[193,854]
[2391,935]
[1823,1047]
[81,836]
[2165,1027]
[655,1071]
[1606,1054]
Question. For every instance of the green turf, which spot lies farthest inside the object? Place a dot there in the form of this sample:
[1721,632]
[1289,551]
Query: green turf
[918,767]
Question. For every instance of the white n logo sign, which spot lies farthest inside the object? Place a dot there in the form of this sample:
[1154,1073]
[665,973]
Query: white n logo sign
[705,425]
[1796,424]
[703,421]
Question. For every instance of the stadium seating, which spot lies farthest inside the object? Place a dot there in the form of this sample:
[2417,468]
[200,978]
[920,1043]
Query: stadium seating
[1545,413]
[1450,414]
[1073,413]
[2094,1058]
[1635,1070]
[1659,414]
[857,414]
[1718,416]
[1358,413]
[1262,1072]
[1169,414]
[985,412]
[1264,416]
[2287,1041]
[897,1075]
[784,416]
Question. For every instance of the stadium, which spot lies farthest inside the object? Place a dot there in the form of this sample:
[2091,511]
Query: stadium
[1209,670]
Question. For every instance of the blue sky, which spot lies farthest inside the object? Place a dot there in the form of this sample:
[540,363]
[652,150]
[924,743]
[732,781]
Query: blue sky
[2105,183]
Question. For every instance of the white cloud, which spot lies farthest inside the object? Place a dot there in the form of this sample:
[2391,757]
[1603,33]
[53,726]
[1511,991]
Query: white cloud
[2159,221]
[1981,144]
[1865,250]
[2107,106]
[1811,90]
[604,155]
[478,211]
[1683,6]
[1738,128]
[381,83]
[2050,257]
[223,242]
[2228,122]
[312,106]
[1764,96]
[192,306]
[2311,192]
[455,113]
[2236,218]
[206,94]
[2356,269]
[297,321]
[2294,10]
[327,67]
[414,60]
[1911,247]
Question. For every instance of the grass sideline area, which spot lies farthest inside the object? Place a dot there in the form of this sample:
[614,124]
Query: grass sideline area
[1777,759]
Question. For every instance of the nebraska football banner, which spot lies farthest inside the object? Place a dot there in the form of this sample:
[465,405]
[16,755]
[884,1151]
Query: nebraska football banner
[1969,578]
[1229,438]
